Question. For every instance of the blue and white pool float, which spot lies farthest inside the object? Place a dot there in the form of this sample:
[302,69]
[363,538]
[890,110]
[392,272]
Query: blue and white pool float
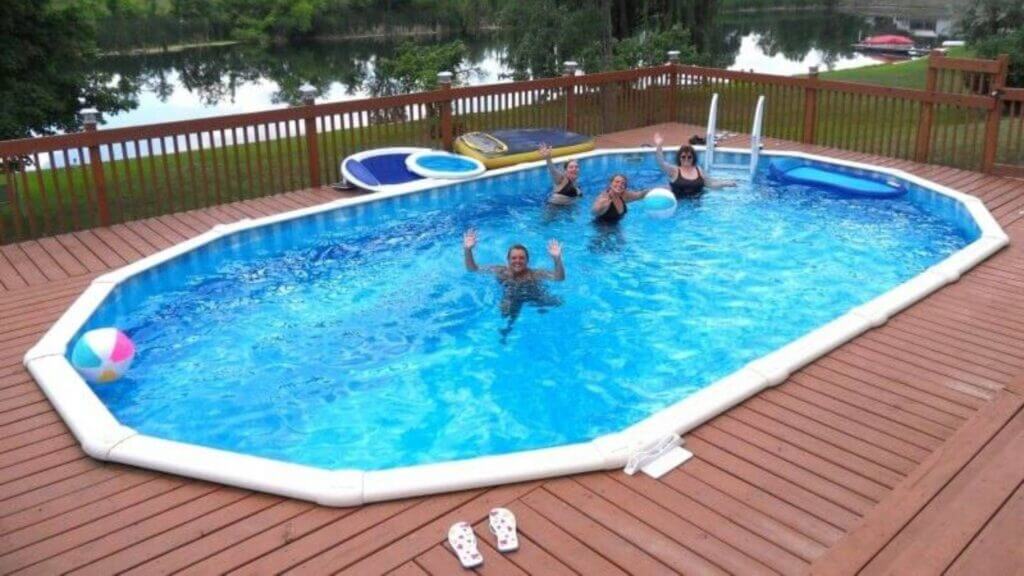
[443,165]
[834,179]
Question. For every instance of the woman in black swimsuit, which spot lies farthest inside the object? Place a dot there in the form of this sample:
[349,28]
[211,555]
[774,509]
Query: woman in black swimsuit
[685,177]
[565,190]
[611,205]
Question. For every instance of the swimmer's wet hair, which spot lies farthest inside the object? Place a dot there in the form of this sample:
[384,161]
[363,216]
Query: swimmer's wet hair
[517,247]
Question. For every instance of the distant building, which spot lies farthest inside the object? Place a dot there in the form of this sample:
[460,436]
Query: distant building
[926,19]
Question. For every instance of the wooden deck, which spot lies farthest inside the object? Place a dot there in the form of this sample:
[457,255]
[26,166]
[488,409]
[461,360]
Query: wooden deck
[899,452]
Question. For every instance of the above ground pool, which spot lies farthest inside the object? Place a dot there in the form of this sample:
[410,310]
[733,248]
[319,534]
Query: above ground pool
[344,354]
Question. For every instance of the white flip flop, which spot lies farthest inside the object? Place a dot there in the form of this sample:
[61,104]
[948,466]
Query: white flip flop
[463,542]
[503,525]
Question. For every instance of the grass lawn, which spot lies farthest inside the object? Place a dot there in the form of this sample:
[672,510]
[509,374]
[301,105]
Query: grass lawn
[908,74]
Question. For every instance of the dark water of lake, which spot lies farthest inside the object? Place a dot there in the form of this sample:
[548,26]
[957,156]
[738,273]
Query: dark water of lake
[233,79]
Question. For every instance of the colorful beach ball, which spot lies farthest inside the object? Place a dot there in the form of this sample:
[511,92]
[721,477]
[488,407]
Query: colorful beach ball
[103,355]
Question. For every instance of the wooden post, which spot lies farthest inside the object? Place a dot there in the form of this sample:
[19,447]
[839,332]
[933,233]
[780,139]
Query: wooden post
[924,123]
[444,79]
[569,71]
[312,142]
[995,115]
[90,117]
[673,95]
[811,106]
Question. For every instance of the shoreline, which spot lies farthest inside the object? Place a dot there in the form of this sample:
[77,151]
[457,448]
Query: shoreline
[373,34]
[168,49]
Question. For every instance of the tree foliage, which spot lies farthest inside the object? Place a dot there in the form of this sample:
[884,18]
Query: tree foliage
[45,75]
[994,27]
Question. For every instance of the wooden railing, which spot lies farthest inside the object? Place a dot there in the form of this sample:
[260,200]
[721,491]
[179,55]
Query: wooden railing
[965,118]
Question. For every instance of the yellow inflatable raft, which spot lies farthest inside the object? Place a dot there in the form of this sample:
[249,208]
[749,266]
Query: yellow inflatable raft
[507,147]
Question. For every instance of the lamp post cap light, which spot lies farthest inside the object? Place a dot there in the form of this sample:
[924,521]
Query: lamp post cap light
[308,93]
[444,77]
[89,116]
[673,56]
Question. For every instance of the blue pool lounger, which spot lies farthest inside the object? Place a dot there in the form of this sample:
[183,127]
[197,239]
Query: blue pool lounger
[796,172]
[382,170]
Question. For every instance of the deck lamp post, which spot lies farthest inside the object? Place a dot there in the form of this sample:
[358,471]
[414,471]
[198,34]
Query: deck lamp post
[90,118]
[444,83]
[308,94]
[569,68]
[673,56]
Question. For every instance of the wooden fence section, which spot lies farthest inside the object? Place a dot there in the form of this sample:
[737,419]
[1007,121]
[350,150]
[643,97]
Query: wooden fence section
[55,184]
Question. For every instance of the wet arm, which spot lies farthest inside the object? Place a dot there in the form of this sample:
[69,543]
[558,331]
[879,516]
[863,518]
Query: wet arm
[557,175]
[710,182]
[559,272]
[634,196]
[601,204]
[667,168]
[467,254]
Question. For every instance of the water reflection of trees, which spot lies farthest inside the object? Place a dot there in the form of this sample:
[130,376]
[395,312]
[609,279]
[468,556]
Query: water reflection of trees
[791,33]
[215,74]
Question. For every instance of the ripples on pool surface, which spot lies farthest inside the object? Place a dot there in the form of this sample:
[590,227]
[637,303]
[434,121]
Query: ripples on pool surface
[356,339]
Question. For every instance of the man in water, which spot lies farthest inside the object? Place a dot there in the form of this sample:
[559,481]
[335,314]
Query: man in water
[522,283]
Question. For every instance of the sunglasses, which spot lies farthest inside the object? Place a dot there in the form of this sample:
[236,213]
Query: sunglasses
[687,156]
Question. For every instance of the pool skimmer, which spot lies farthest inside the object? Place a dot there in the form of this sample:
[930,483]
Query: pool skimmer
[659,457]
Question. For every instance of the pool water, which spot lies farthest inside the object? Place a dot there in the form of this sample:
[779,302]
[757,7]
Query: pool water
[356,339]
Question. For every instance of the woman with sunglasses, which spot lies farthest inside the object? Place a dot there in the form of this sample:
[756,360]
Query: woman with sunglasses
[685,177]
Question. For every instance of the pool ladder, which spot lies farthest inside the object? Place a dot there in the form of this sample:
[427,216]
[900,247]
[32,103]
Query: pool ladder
[755,137]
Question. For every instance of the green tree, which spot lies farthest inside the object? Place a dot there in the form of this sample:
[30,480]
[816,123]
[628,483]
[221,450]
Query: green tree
[982,19]
[45,61]
[994,27]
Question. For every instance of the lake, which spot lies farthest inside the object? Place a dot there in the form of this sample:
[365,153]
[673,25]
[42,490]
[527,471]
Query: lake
[214,81]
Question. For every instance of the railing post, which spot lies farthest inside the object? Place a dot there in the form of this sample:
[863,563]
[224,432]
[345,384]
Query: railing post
[444,80]
[811,106]
[90,117]
[673,63]
[312,141]
[924,124]
[995,115]
[569,71]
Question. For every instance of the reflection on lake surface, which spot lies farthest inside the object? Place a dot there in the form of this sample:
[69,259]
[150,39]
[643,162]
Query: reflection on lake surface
[235,79]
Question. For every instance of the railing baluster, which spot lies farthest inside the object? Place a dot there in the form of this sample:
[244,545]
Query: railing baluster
[43,196]
[116,197]
[26,197]
[189,158]
[54,177]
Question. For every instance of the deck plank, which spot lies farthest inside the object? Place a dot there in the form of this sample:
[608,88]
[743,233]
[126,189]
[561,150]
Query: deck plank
[939,532]
[859,547]
[997,549]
